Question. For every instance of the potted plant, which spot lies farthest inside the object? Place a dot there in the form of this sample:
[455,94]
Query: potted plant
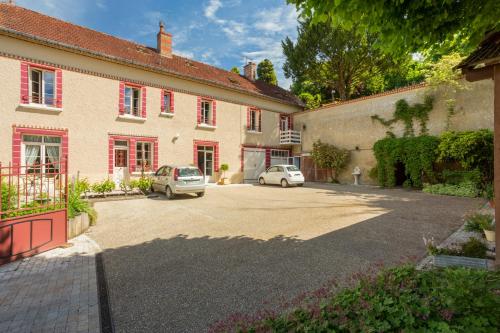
[223,180]
[488,226]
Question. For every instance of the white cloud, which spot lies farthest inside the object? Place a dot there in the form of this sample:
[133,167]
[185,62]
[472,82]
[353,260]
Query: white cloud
[184,53]
[274,20]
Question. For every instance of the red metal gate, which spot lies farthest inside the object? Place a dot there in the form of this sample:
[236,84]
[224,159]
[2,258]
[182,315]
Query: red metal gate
[33,209]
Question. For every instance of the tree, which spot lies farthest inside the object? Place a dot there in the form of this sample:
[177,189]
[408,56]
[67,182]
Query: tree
[405,26]
[336,59]
[235,70]
[330,157]
[266,73]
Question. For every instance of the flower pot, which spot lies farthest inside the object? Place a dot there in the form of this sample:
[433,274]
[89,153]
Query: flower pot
[223,181]
[490,235]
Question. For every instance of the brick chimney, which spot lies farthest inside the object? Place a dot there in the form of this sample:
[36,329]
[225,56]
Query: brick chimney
[250,71]
[164,42]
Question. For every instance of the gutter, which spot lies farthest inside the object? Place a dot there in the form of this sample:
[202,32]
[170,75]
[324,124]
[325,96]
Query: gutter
[101,56]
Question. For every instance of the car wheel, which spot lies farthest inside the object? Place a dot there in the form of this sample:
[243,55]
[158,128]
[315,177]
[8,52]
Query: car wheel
[168,192]
[262,181]
[284,183]
[152,189]
[200,194]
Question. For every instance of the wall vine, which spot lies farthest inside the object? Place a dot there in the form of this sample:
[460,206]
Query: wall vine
[408,114]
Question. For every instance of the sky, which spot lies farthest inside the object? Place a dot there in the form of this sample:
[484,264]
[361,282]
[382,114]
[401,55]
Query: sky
[223,33]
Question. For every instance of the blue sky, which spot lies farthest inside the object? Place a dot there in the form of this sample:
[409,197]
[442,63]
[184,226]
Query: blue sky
[218,32]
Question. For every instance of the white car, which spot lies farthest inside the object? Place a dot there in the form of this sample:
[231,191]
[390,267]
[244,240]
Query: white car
[282,174]
[178,179]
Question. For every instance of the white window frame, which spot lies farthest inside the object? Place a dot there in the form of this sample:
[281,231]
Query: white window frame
[42,146]
[138,164]
[207,120]
[130,111]
[42,98]
[254,121]
[280,153]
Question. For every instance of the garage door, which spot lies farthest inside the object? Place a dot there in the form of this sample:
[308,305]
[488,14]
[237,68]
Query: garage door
[279,156]
[253,164]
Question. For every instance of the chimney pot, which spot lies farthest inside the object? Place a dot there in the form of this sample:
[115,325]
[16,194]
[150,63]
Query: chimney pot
[250,71]
[164,42]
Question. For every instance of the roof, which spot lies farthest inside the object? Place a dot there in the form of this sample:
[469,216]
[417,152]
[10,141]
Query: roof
[487,53]
[22,22]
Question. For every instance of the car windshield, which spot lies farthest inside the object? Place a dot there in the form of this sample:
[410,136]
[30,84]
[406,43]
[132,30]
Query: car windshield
[188,172]
[292,168]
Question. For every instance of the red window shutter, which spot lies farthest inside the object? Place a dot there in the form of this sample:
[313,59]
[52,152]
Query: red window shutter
[259,114]
[214,113]
[121,101]
[143,100]
[198,110]
[248,118]
[216,157]
[24,83]
[195,154]
[171,101]
[59,88]
[155,155]
[132,154]
[110,155]
[162,100]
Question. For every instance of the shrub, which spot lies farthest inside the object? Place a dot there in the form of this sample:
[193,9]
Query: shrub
[489,192]
[9,196]
[455,177]
[143,184]
[82,186]
[401,299]
[127,187]
[488,224]
[416,153]
[465,189]
[472,149]
[330,157]
[373,173]
[103,187]
[77,205]
[473,248]
[475,221]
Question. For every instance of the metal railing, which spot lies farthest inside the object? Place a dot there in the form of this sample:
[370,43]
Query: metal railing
[47,99]
[29,189]
[290,137]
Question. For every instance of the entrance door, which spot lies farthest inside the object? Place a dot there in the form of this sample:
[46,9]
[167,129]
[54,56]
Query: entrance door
[120,166]
[206,162]
[254,164]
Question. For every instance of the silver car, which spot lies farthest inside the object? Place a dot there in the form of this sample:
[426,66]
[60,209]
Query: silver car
[178,179]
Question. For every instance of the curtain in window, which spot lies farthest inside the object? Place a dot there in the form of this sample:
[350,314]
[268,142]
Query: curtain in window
[32,154]
[52,153]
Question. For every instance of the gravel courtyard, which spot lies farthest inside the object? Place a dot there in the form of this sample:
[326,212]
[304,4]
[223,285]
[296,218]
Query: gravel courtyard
[178,266]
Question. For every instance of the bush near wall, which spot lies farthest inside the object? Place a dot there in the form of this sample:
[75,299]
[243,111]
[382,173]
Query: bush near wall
[416,153]
[401,299]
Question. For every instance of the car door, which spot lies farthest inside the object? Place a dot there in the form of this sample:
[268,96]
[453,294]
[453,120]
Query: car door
[270,176]
[156,179]
[279,174]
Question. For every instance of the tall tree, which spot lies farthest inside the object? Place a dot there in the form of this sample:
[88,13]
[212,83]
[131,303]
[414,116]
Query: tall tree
[335,59]
[407,25]
[266,73]
[235,70]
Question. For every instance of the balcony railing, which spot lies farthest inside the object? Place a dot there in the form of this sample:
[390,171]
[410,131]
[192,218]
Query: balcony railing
[290,137]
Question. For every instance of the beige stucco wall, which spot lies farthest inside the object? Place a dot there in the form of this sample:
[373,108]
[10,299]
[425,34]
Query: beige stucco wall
[350,125]
[90,110]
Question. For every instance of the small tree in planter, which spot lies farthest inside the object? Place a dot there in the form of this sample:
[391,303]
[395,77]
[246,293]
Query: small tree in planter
[330,157]
[103,187]
[143,184]
[224,167]
[126,187]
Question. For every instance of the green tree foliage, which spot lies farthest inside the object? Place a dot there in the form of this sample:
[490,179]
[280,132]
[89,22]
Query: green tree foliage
[266,73]
[311,101]
[409,26]
[417,154]
[472,149]
[326,59]
[235,70]
[330,157]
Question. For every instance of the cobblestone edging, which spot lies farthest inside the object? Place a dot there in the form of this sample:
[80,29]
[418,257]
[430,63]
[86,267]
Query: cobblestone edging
[55,291]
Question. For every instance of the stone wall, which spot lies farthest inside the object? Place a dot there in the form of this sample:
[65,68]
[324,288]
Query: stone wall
[350,125]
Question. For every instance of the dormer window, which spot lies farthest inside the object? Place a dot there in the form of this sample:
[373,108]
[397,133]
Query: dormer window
[132,101]
[42,87]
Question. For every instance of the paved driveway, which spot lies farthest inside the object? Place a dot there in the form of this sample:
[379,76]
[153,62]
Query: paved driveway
[178,266]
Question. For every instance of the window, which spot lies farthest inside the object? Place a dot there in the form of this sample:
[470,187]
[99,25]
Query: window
[167,102]
[206,112]
[42,87]
[285,123]
[254,120]
[132,101]
[143,156]
[41,153]
[292,168]
[279,153]
[273,169]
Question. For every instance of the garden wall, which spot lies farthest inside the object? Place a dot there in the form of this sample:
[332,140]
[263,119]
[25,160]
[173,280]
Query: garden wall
[350,125]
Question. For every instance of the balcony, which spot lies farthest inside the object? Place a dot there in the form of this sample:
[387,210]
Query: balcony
[290,137]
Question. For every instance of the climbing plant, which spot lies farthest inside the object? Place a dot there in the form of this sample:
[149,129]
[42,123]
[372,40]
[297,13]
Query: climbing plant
[416,153]
[408,114]
[330,157]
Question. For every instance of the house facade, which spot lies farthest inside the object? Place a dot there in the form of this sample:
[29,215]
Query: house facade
[116,109]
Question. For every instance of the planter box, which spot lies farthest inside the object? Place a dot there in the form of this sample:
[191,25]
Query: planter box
[450,261]
[78,225]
